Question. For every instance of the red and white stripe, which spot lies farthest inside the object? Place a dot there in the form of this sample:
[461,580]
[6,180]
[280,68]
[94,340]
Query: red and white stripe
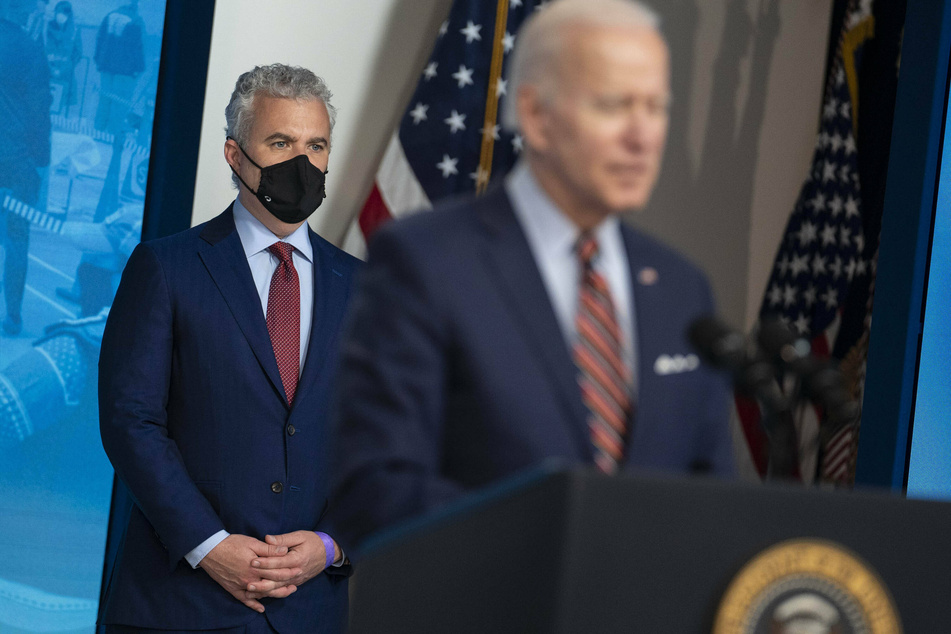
[396,193]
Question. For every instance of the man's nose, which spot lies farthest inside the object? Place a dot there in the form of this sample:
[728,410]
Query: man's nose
[635,127]
[641,125]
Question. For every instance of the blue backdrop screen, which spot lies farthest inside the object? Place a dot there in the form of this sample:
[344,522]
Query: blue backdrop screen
[929,467]
[77,97]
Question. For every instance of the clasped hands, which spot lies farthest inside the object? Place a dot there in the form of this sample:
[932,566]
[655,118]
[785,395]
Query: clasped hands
[250,569]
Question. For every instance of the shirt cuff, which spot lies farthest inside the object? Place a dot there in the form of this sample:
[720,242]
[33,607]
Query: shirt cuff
[195,556]
[343,559]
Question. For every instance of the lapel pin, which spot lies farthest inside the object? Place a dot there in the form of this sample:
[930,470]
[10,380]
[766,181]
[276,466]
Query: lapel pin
[647,276]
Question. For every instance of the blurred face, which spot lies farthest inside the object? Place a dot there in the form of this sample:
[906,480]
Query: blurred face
[596,143]
[281,130]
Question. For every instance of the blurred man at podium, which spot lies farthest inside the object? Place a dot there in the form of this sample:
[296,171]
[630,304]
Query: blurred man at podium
[531,324]
[214,381]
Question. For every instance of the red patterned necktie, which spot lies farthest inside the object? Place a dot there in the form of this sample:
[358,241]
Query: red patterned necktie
[603,377]
[283,317]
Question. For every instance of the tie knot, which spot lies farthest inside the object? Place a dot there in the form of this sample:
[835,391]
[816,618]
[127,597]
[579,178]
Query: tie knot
[283,251]
[587,249]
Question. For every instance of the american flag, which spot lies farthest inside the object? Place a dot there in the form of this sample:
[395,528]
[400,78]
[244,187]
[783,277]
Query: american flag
[822,255]
[450,139]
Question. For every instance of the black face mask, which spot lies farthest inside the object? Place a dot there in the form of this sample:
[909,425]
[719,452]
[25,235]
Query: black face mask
[291,190]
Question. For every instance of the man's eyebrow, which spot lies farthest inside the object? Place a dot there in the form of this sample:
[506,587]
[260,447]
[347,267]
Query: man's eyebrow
[283,136]
[279,136]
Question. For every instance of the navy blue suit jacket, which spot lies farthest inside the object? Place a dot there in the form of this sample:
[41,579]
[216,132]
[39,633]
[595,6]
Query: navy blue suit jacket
[194,418]
[455,373]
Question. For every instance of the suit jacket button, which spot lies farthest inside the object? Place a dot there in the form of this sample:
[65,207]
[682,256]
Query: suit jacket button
[291,430]
[277,487]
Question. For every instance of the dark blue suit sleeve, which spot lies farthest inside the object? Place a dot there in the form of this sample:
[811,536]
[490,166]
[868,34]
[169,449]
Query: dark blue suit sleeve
[135,366]
[391,387]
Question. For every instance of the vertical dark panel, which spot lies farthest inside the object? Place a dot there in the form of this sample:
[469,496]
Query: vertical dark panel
[906,230]
[178,111]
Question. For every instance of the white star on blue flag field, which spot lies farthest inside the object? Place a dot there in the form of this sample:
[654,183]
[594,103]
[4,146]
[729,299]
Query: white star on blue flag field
[822,247]
[441,132]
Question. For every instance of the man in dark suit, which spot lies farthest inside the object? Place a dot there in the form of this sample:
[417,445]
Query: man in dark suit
[530,324]
[215,376]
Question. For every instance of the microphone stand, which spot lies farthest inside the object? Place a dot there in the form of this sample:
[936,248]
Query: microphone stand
[758,380]
[754,375]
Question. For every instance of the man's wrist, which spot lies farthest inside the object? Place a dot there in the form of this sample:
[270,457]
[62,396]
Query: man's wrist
[329,548]
[195,556]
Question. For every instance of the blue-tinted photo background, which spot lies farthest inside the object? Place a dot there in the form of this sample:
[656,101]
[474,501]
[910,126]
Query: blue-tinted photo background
[929,466]
[77,98]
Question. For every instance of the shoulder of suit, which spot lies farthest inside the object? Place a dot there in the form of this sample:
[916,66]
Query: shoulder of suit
[452,216]
[174,242]
[658,252]
[189,239]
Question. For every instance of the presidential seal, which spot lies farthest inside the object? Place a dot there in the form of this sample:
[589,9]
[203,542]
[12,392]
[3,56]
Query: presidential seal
[807,586]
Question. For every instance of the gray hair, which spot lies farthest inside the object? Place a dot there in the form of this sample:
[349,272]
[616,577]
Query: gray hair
[542,37]
[275,80]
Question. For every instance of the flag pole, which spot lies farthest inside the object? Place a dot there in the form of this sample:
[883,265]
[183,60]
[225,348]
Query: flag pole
[492,98]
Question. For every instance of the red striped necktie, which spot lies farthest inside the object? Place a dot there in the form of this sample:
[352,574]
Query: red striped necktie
[283,317]
[604,379]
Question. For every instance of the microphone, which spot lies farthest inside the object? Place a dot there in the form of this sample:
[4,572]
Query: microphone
[717,343]
[788,351]
[722,347]
[754,376]
[821,381]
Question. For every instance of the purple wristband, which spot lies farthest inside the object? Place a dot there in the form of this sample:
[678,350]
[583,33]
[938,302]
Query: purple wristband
[328,546]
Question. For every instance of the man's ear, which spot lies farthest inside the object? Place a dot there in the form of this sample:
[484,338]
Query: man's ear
[233,154]
[534,117]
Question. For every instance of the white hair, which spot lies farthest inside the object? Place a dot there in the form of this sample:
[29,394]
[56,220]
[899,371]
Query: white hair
[542,37]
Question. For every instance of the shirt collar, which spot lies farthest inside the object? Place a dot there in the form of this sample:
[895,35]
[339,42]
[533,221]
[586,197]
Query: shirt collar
[540,216]
[255,237]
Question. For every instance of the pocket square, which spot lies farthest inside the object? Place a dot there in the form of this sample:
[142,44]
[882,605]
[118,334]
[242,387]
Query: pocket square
[675,364]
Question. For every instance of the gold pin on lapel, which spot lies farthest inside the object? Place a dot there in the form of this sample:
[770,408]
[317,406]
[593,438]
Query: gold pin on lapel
[647,276]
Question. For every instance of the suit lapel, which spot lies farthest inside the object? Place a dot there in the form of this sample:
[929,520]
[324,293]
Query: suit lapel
[646,287]
[511,261]
[330,295]
[227,264]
